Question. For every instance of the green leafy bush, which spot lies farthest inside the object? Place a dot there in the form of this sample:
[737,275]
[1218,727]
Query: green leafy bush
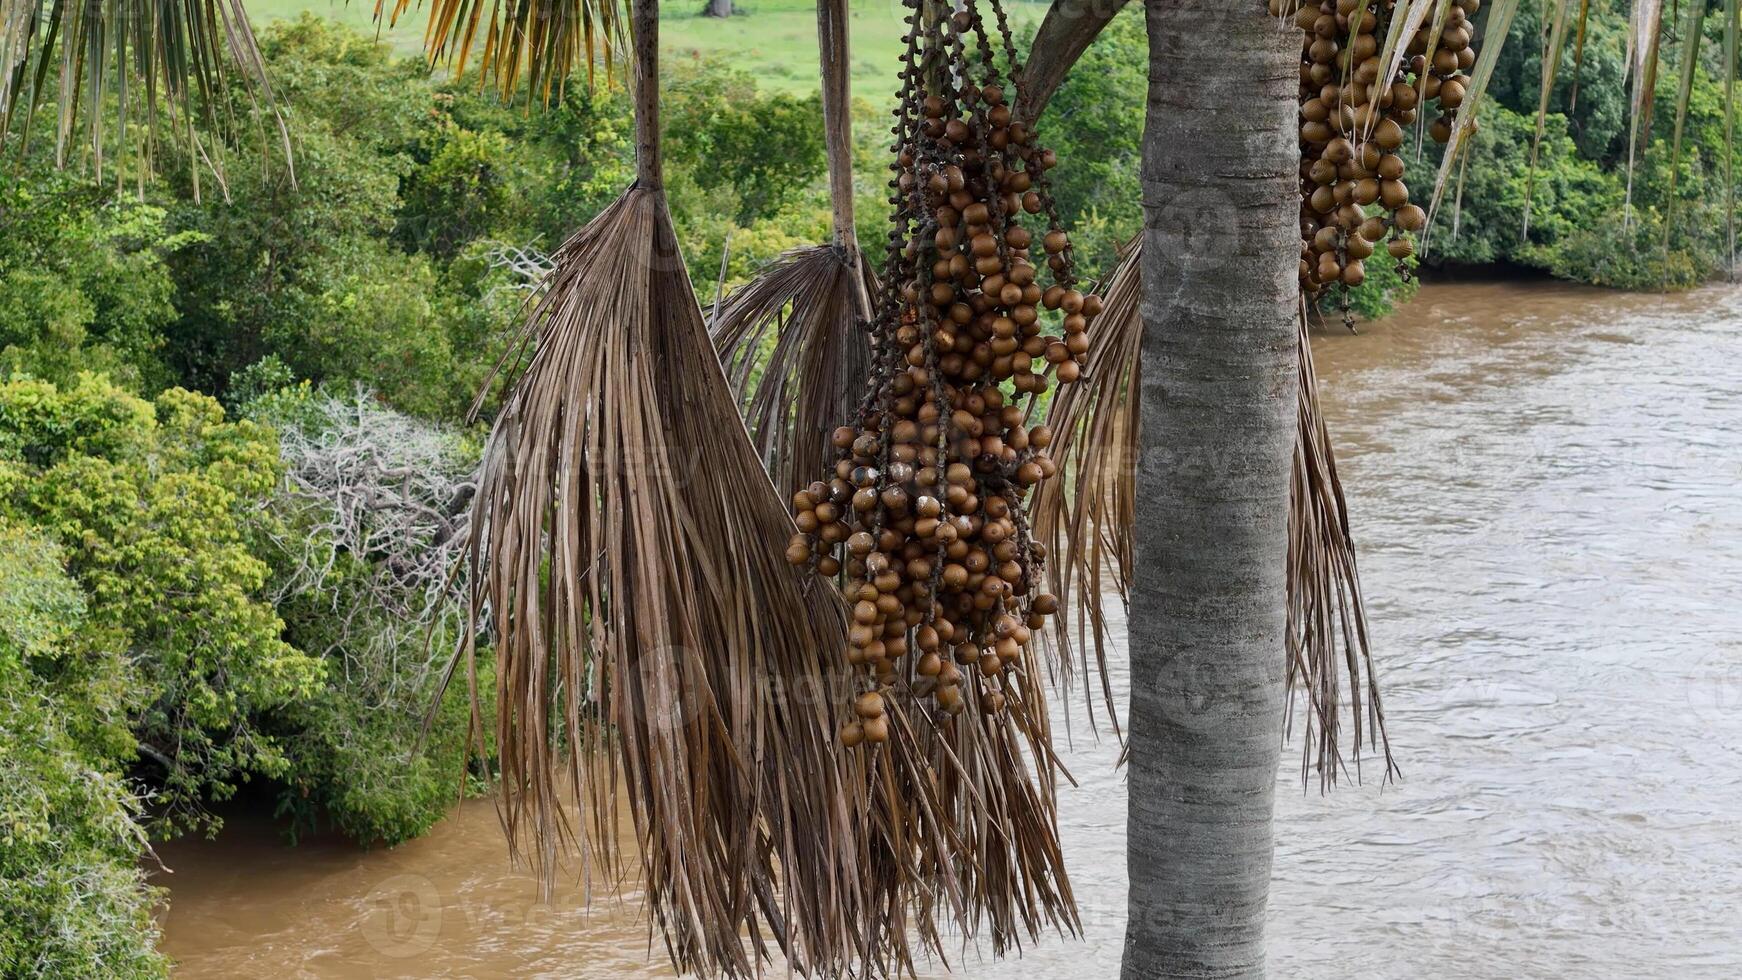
[83,280]
[155,504]
[73,902]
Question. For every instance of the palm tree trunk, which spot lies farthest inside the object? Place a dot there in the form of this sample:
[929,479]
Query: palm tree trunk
[1218,397]
[717,8]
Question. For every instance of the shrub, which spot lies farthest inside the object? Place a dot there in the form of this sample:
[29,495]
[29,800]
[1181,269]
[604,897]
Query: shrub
[73,902]
[154,504]
[370,519]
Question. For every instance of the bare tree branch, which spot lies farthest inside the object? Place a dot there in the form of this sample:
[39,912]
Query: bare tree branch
[373,512]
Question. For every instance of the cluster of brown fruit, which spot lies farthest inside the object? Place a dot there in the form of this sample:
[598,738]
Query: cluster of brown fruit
[923,516]
[1353,112]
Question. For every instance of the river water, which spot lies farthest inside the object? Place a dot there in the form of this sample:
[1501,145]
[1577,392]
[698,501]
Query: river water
[1547,488]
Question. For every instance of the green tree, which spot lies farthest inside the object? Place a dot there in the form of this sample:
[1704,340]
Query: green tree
[154,504]
[84,283]
[73,901]
[735,143]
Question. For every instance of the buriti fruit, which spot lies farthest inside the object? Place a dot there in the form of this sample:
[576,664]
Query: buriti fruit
[1353,125]
[922,519]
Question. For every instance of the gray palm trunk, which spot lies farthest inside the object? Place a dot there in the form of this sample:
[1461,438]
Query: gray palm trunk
[717,8]
[1219,310]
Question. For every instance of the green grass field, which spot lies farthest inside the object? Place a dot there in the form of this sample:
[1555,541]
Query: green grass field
[775,40]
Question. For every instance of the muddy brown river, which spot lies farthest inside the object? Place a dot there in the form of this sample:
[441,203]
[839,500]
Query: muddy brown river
[1547,487]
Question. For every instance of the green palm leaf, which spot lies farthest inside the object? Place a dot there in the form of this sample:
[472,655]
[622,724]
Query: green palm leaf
[1551,60]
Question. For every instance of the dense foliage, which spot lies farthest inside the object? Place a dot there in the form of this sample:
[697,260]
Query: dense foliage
[73,902]
[153,504]
[1582,226]
[181,613]
[84,281]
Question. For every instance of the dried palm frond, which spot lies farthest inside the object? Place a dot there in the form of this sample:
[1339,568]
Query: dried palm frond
[627,556]
[649,627]
[1327,617]
[539,42]
[961,820]
[814,300]
[1087,523]
[794,393]
[653,650]
[148,56]
[656,653]
[1086,519]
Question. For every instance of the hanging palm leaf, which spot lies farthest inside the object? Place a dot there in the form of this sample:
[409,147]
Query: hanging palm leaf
[1327,617]
[134,56]
[812,300]
[540,43]
[1087,518]
[969,805]
[816,303]
[653,651]
[648,635]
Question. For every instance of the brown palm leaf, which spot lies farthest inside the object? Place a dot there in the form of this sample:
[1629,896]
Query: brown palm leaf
[1087,523]
[1327,617]
[653,650]
[797,387]
[646,624]
[539,42]
[1086,519]
[656,655]
[962,822]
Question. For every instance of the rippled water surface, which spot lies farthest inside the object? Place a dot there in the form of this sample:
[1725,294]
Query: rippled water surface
[1547,487]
